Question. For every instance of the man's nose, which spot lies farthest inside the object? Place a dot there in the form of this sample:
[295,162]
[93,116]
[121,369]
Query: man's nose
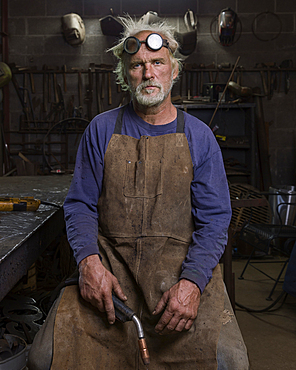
[148,71]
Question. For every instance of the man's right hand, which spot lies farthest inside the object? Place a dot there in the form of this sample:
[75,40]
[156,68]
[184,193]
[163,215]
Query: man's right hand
[96,284]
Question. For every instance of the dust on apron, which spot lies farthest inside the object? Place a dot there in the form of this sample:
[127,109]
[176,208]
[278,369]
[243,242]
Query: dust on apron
[145,230]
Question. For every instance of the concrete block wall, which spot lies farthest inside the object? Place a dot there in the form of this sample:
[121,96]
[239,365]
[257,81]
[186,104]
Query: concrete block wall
[35,39]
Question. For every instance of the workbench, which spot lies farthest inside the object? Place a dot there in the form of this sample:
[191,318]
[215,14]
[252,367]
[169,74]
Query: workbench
[25,235]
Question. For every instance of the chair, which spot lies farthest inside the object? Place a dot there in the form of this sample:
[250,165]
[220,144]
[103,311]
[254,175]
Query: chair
[244,198]
[269,238]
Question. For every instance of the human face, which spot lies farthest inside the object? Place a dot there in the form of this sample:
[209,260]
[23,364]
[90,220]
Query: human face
[150,74]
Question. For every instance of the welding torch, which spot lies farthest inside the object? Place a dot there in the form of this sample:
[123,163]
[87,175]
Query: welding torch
[123,313]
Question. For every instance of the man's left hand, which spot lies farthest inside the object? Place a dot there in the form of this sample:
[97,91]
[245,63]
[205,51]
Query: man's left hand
[181,303]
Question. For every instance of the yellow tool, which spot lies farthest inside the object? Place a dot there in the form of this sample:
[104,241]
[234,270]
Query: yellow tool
[221,137]
[19,204]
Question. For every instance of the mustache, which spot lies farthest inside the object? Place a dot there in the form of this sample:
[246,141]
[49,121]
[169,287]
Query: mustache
[148,83]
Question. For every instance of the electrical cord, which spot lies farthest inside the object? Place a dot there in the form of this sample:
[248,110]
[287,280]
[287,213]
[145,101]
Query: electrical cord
[50,204]
[280,26]
[268,307]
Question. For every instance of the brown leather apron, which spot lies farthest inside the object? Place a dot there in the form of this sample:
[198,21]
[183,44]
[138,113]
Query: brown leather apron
[146,228]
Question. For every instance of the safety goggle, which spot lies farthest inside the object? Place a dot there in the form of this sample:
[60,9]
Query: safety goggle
[153,41]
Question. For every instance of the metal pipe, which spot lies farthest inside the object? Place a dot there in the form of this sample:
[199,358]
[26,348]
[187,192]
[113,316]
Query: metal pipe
[139,326]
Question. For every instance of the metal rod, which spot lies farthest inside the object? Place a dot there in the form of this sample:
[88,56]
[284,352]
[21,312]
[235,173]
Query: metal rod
[230,77]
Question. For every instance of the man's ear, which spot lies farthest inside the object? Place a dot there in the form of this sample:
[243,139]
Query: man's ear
[176,71]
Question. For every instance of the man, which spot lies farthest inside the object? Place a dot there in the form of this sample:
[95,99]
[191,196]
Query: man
[147,217]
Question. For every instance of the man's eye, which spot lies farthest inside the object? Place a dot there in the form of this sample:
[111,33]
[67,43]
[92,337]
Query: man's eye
[136,65]
[157,62]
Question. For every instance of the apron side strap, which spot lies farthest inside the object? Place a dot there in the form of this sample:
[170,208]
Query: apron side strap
[118,124]
[180,121]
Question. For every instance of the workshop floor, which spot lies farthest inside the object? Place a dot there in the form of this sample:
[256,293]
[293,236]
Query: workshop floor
[270,337]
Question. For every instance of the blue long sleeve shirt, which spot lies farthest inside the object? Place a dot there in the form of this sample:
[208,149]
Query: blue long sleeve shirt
[210,200]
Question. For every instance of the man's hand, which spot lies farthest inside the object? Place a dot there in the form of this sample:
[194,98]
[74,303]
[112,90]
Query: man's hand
[96,284]
[181,303]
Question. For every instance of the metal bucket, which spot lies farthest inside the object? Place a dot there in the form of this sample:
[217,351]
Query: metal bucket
[17,360]
[283,194]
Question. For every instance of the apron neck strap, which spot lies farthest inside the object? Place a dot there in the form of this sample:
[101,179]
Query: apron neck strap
[180,121]
[118,124]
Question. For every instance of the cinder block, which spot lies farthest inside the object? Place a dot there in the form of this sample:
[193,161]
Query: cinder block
[255,6]
[286,42]
[204,22]
[57,45]
[215,6]
[268,22]
[168,7]
[17,8]
[60,8]
[285,115]
[246,22]
[285,6]
[282,138]
[44,26]
[92,27]
[91,46]
[19,59]
[101,8]
[35,45]
[17,26]
[17,45]
[287,21]
[142,7]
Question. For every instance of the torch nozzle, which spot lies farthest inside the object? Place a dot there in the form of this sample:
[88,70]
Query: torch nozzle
[144,351]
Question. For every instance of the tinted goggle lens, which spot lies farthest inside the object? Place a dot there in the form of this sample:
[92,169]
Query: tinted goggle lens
[131,45]
[154,42]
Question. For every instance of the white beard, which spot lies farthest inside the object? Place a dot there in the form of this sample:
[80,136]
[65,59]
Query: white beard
[142,95]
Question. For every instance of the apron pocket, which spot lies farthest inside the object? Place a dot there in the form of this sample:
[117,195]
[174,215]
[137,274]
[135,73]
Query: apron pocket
[143,179]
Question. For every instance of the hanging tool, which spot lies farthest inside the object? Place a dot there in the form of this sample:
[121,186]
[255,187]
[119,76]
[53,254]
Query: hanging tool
[210,73]
[80,88]
[23,94]
[123,314]
[106,69]
[187,68]
[45,89]
[32,79]
[55,89]
[98,98]
[202,66]
[89,91]
[264,84]
[288,63]
[22,204]
[64,69]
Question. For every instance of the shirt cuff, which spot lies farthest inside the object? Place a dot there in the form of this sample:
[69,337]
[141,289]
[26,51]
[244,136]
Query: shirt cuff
[85,252]
[195,277]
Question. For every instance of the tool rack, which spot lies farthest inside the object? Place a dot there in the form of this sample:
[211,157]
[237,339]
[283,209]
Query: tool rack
[53,95]
[272,78]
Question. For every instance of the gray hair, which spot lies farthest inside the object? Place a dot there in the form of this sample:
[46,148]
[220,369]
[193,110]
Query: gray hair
[131,28]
